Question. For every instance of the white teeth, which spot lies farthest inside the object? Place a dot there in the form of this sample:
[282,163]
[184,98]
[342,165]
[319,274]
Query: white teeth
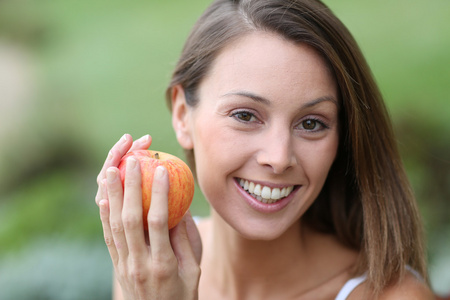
[251,187]
[257,190]
[276,194]
[289,190]
[264,193]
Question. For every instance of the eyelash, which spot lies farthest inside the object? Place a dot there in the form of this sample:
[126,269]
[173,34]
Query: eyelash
[241,112]
[318,121]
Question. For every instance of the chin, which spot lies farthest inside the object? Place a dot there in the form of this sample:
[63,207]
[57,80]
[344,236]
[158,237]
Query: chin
[255,230]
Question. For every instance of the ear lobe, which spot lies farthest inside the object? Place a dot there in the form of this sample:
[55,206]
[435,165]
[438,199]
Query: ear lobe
[180,120]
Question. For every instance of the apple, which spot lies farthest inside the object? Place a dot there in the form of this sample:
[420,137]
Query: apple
[181,182]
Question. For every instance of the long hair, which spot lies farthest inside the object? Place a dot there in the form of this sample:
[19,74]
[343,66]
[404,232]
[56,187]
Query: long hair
[367,201]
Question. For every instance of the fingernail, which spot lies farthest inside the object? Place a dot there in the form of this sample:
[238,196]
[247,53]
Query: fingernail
[123,138]
[145,138]
[159,172]
[110,175]
[110,155]
[131,163]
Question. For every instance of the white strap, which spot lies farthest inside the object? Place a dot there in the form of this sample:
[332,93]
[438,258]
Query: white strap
[197,219]
[349,286]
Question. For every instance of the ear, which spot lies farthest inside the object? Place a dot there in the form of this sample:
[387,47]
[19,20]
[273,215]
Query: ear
[180,118]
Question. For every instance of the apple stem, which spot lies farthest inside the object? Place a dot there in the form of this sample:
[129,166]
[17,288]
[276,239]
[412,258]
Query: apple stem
[157,155]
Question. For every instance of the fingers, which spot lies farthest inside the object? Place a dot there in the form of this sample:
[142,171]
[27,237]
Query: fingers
[112,160]
[115,197]
[182,247]
[107,234]
[139,268]
[194,236]
[124,145]
[132,210]
[142,143]
[158,215]
[101,191]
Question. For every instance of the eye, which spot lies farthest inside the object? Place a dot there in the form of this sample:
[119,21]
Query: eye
[309,124]
[312,125]
[244,116]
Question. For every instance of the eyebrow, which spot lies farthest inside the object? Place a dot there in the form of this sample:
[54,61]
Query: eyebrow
[320,100]
[263,100]
[248,95]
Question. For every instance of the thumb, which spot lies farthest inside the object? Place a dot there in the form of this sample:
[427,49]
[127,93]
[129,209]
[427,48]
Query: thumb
[182,245]
[194,236]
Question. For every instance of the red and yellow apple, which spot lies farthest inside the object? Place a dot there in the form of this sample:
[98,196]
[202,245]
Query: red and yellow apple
[181,182]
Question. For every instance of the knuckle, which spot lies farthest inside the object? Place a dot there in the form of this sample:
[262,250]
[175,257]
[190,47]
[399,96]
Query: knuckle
[193,275]
[196,272]
[99,179]
[109,241]
[97,199]
[116,227]
[157,221]
[159,190]
[162,271]
[132,221]
[132,181]
[138,274]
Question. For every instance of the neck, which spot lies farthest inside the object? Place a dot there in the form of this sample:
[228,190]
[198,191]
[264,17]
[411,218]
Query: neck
[299,262]
[244,267]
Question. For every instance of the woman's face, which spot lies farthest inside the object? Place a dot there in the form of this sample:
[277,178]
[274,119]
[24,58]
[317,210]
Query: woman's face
[265,133]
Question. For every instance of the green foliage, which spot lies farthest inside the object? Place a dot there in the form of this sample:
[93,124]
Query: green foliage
[55,268]
[53,203]
[99,69]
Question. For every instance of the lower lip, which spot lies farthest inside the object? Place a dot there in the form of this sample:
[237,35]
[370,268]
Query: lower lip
[265,207]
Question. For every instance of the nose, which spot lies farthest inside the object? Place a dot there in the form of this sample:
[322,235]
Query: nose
[277,151]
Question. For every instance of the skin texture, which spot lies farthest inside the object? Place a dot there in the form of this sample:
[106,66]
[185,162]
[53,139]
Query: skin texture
[268,113]
[273,147]
[153,264]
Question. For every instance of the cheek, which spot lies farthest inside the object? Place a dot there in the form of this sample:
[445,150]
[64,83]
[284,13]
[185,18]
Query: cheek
[318,158]
[213,150]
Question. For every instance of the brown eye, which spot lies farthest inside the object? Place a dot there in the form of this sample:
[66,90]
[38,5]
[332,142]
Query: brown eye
[309,124]
[244,116]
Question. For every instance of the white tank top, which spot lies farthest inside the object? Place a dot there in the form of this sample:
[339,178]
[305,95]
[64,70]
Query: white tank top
[351,284]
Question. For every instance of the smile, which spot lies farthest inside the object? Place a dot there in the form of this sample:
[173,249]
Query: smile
[265,194]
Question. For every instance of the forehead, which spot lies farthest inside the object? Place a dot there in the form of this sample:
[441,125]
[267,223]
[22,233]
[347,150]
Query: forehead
[269,64]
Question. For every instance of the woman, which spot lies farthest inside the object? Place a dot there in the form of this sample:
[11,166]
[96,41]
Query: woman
[291,145]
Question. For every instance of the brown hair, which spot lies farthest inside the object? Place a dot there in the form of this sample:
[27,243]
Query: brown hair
[367,201]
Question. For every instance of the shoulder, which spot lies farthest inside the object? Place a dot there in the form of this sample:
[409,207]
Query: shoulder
[410,287]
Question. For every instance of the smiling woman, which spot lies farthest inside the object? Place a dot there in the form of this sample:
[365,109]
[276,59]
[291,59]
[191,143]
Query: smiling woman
[293,148]
[276,149]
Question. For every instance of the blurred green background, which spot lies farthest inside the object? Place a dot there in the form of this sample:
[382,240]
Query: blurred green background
[75,75]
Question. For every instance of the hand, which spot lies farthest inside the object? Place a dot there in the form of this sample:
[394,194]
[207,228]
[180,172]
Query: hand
[167,268]
[122,147]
